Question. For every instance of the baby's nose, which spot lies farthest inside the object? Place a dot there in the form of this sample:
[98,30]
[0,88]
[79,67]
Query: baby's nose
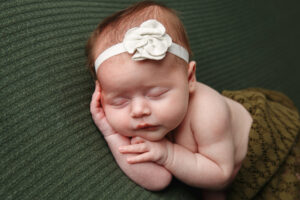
[140,108]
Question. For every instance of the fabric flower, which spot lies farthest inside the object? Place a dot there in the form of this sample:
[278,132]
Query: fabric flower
[149,41]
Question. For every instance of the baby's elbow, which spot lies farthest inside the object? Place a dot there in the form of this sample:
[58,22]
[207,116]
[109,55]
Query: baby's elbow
[225,179]
[158,183]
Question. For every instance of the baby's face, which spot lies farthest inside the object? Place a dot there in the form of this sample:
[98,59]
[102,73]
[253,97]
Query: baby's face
[144,98]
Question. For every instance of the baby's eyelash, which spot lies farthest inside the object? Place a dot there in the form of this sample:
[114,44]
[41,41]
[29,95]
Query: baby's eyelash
[157,92]
[119,101]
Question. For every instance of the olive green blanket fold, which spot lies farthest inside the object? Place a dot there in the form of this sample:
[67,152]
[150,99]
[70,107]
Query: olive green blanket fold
[269,169]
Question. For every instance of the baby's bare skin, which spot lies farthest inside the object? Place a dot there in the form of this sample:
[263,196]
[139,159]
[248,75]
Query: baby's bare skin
[210,144]
[207,109]
[211,135]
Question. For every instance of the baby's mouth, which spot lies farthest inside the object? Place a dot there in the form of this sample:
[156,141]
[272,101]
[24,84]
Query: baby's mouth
[147,127]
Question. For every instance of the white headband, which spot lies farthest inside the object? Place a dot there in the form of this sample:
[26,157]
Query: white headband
[149,41]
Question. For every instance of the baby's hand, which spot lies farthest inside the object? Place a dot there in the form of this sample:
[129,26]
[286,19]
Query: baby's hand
[98,113]
[148,151]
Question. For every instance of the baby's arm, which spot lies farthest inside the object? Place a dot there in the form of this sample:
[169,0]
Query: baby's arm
[194,169]
[211,124]
[199,170]
[148,175]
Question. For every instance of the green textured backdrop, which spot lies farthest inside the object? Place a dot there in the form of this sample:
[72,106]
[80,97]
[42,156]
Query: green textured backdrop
[50,148]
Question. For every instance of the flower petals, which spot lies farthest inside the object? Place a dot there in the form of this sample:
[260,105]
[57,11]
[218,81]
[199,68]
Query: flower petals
[149,41]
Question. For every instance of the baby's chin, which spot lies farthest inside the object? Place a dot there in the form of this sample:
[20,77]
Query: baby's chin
[153,138]
[150,136]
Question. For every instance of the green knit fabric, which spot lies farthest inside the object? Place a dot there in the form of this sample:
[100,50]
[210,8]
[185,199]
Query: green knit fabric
[50,148]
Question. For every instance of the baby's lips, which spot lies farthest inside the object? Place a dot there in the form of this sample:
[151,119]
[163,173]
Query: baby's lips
[145,126]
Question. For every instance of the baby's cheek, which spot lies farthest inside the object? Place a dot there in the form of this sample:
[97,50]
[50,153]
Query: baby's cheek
[173,111]
[121,124]
[118,121]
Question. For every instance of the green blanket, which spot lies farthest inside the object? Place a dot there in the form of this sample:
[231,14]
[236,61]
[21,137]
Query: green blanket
[49,146]
[269,170]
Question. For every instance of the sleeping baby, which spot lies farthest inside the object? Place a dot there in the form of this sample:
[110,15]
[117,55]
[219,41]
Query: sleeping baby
[157,119]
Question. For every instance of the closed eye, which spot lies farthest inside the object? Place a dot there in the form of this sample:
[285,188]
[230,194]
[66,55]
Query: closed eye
[157,92]
[119,101]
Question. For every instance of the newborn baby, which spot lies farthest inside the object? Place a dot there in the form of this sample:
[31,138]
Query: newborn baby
[156,118]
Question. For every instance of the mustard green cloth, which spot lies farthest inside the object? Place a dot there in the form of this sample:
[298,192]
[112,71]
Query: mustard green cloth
[269,170]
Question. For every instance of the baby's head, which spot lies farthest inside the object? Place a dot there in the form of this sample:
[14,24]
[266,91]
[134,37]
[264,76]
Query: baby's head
[145,94]
[112,29]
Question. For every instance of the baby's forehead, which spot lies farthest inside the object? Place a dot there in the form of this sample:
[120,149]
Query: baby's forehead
[124,62]
[122,66]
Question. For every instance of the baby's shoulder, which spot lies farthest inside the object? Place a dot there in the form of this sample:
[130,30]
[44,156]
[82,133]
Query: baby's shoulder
[208,102]
[210,113]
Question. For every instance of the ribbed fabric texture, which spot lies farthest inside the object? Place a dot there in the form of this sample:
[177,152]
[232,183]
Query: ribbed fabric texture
[50,148]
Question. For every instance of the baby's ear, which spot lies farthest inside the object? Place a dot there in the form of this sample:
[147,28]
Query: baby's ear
[192,76]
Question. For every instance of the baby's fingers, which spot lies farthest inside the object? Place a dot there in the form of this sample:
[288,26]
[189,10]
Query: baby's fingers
[134,148]
[97,93]
[95,102]
[145,157]
[137,140]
